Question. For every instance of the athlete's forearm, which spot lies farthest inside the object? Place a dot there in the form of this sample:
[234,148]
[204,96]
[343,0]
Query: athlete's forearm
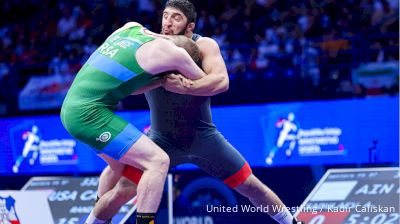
[209,85]
[187,67]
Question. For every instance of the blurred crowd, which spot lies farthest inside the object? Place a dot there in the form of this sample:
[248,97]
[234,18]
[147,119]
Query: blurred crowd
[285,50]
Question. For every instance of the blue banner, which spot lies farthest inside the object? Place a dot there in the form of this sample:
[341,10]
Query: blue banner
[41,145]
[328,132]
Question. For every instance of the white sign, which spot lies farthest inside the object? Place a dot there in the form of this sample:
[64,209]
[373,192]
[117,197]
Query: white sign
[25,207]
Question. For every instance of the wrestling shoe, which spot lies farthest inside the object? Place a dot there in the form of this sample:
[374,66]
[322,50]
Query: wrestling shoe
[298,222]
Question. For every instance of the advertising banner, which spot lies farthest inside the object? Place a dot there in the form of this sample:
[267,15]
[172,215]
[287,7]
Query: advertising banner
[24,207]
[292,134]
[71,199]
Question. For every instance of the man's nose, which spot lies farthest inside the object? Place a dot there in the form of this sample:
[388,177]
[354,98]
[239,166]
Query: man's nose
[168,21]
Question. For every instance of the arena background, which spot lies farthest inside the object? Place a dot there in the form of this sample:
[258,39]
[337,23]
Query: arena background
[333,66]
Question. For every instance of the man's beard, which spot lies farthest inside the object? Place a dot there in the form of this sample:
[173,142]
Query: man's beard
[182,32]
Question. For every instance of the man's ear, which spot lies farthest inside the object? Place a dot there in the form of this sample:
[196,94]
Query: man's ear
[190,27]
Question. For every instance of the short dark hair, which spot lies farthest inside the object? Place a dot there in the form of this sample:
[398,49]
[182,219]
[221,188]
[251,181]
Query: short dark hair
[185,6]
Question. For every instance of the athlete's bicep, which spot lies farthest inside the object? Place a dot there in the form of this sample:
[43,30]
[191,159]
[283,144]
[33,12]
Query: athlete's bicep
[154,56]
[161,55]
[212,61]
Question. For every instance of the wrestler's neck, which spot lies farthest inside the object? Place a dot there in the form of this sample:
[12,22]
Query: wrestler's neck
[188,34]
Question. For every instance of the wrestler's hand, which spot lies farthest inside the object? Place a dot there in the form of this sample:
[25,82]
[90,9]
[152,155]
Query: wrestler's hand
[176,83]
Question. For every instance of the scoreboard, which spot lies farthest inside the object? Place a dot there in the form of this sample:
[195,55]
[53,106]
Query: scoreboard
[348,196]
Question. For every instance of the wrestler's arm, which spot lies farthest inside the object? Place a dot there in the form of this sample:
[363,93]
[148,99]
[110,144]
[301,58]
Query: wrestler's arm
[216,81]
[162,55]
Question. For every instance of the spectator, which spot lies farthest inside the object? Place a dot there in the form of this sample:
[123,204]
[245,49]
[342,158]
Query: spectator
[257,37]
[66,24]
